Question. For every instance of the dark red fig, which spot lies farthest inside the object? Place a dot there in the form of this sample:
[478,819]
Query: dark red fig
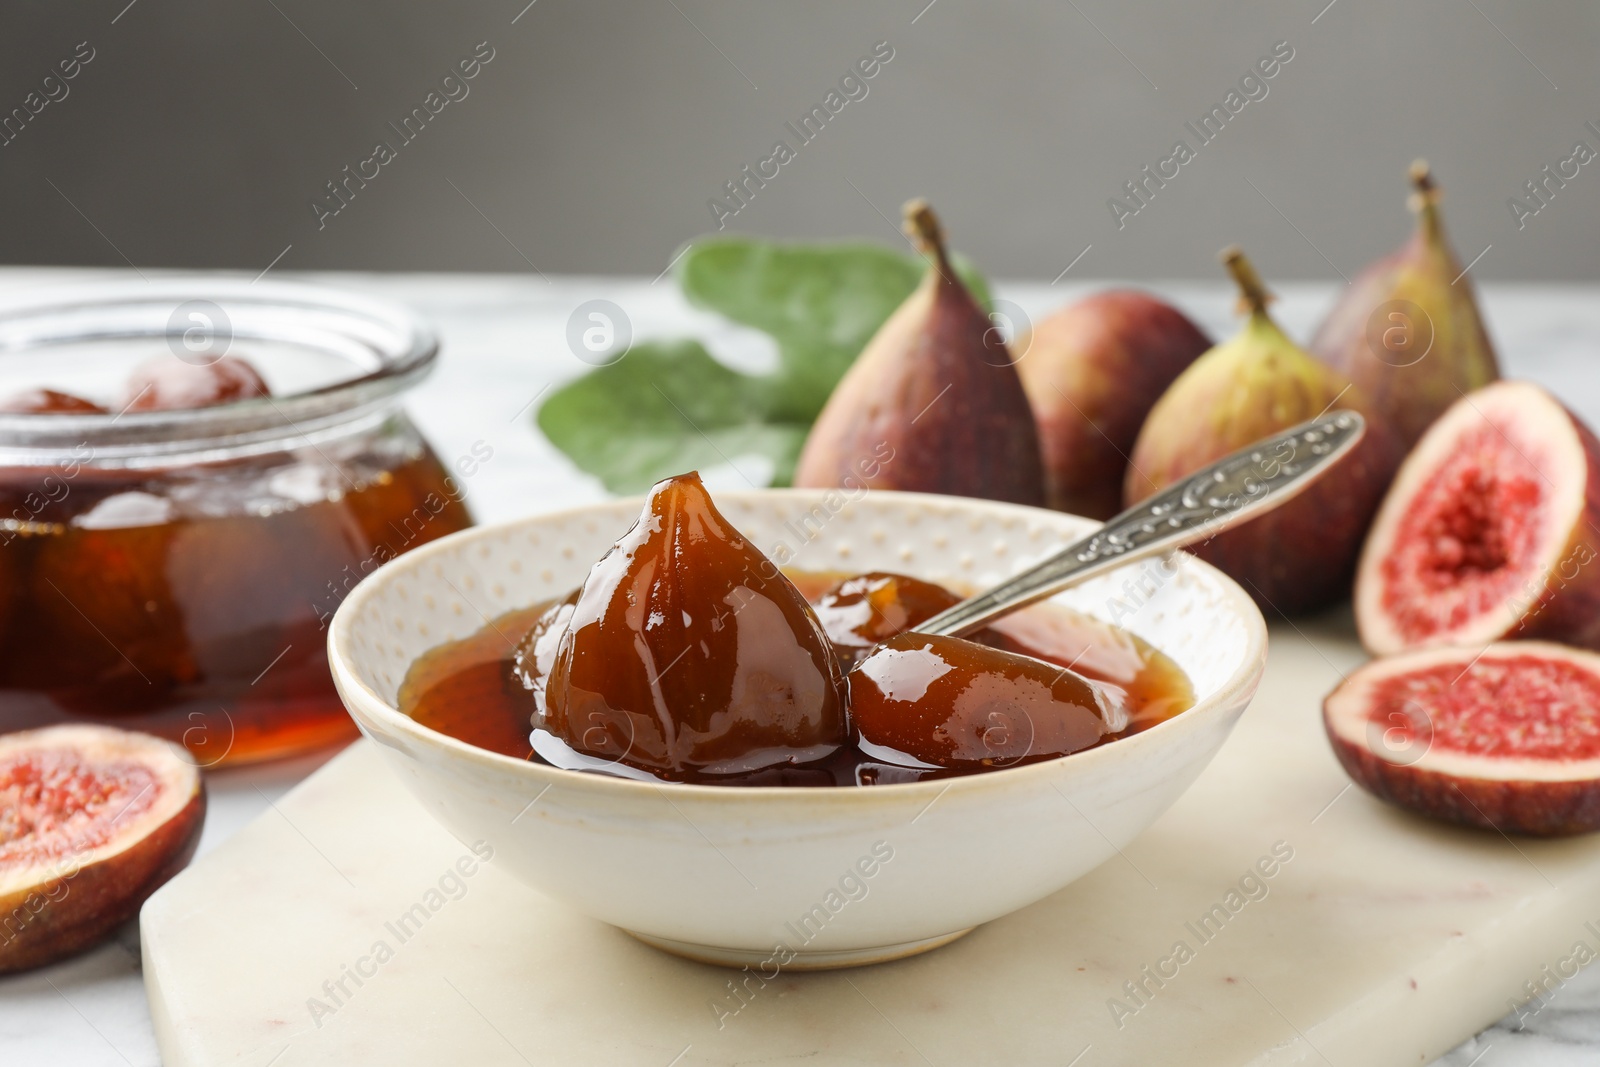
[48,402]
[167,383]
[1093,371]
[1298,557]
[1505,737]
[1407,331]
[933,403]
[688,654]
[92,821]
[945,702]
[1491,530]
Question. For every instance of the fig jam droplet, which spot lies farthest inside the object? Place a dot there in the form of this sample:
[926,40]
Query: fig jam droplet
[945,702]
[689,654]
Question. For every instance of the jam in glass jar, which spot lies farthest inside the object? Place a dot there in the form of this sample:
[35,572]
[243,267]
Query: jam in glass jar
[174,570]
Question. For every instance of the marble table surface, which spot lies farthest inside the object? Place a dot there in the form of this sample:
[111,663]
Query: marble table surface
[504,339]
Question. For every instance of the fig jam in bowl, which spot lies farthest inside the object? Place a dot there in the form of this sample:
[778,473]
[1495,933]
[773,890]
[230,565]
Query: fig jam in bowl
[782,875]
[193,472]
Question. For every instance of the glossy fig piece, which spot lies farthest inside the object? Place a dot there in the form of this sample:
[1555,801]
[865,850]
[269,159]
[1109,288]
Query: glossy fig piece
[1302,555]
[1092,371]
[863,611]
[945,702]
[1407,331]
[689,655]
[867,609]
[535,656]
[167,383]
[933,404]
[48,402]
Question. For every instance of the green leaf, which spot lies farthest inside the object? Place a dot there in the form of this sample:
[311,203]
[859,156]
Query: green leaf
[669,407]
[821,303]
[663,409]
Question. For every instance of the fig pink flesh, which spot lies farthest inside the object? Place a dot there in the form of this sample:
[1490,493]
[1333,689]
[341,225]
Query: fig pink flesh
[57,802]
[1471,536]
[1519,706]
[1505,737]
[1491,529]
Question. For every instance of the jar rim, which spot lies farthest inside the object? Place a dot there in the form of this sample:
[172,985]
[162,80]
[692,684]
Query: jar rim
[390,346]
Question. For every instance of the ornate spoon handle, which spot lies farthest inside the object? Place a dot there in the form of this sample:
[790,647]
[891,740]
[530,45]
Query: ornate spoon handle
[1236,487]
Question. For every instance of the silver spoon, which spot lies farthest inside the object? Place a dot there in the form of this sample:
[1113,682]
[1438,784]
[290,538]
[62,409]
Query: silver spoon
[1235,488]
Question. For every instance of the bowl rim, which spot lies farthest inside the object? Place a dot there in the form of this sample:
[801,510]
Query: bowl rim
[354,690]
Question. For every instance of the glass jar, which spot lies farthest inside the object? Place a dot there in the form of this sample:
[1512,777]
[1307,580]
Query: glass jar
[175,571]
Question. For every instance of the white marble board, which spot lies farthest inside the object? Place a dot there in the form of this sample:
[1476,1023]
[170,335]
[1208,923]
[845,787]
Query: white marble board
[1384,940]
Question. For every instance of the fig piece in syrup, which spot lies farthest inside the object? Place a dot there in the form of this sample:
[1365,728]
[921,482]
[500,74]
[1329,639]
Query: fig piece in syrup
[863,611]
[535,656]
[946,702]
[688,654]
[166,383]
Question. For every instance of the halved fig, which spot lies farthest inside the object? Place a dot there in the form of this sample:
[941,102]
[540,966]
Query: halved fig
[1490,530]
[1506,737]
[92,821]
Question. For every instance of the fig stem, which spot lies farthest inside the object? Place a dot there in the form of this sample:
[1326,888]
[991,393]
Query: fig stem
[1424,200]
[1253,293]
[922,226]
[1422,176]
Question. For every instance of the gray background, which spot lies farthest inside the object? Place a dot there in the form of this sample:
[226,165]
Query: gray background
[201,132]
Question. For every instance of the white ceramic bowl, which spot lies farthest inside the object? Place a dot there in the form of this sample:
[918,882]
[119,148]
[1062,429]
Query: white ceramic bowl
[798,878]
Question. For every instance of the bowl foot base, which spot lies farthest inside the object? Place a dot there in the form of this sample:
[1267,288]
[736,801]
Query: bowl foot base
[820,960]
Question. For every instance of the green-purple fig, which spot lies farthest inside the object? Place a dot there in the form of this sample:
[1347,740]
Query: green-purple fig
[933,404]
[1092,371]
[1302,555]
[1407,332]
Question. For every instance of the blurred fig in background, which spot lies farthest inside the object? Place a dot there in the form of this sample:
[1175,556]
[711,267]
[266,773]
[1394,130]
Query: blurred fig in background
[1302,555]
[48,402]
[1092,371]
[167,383]
[933,403]
[1407,332]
